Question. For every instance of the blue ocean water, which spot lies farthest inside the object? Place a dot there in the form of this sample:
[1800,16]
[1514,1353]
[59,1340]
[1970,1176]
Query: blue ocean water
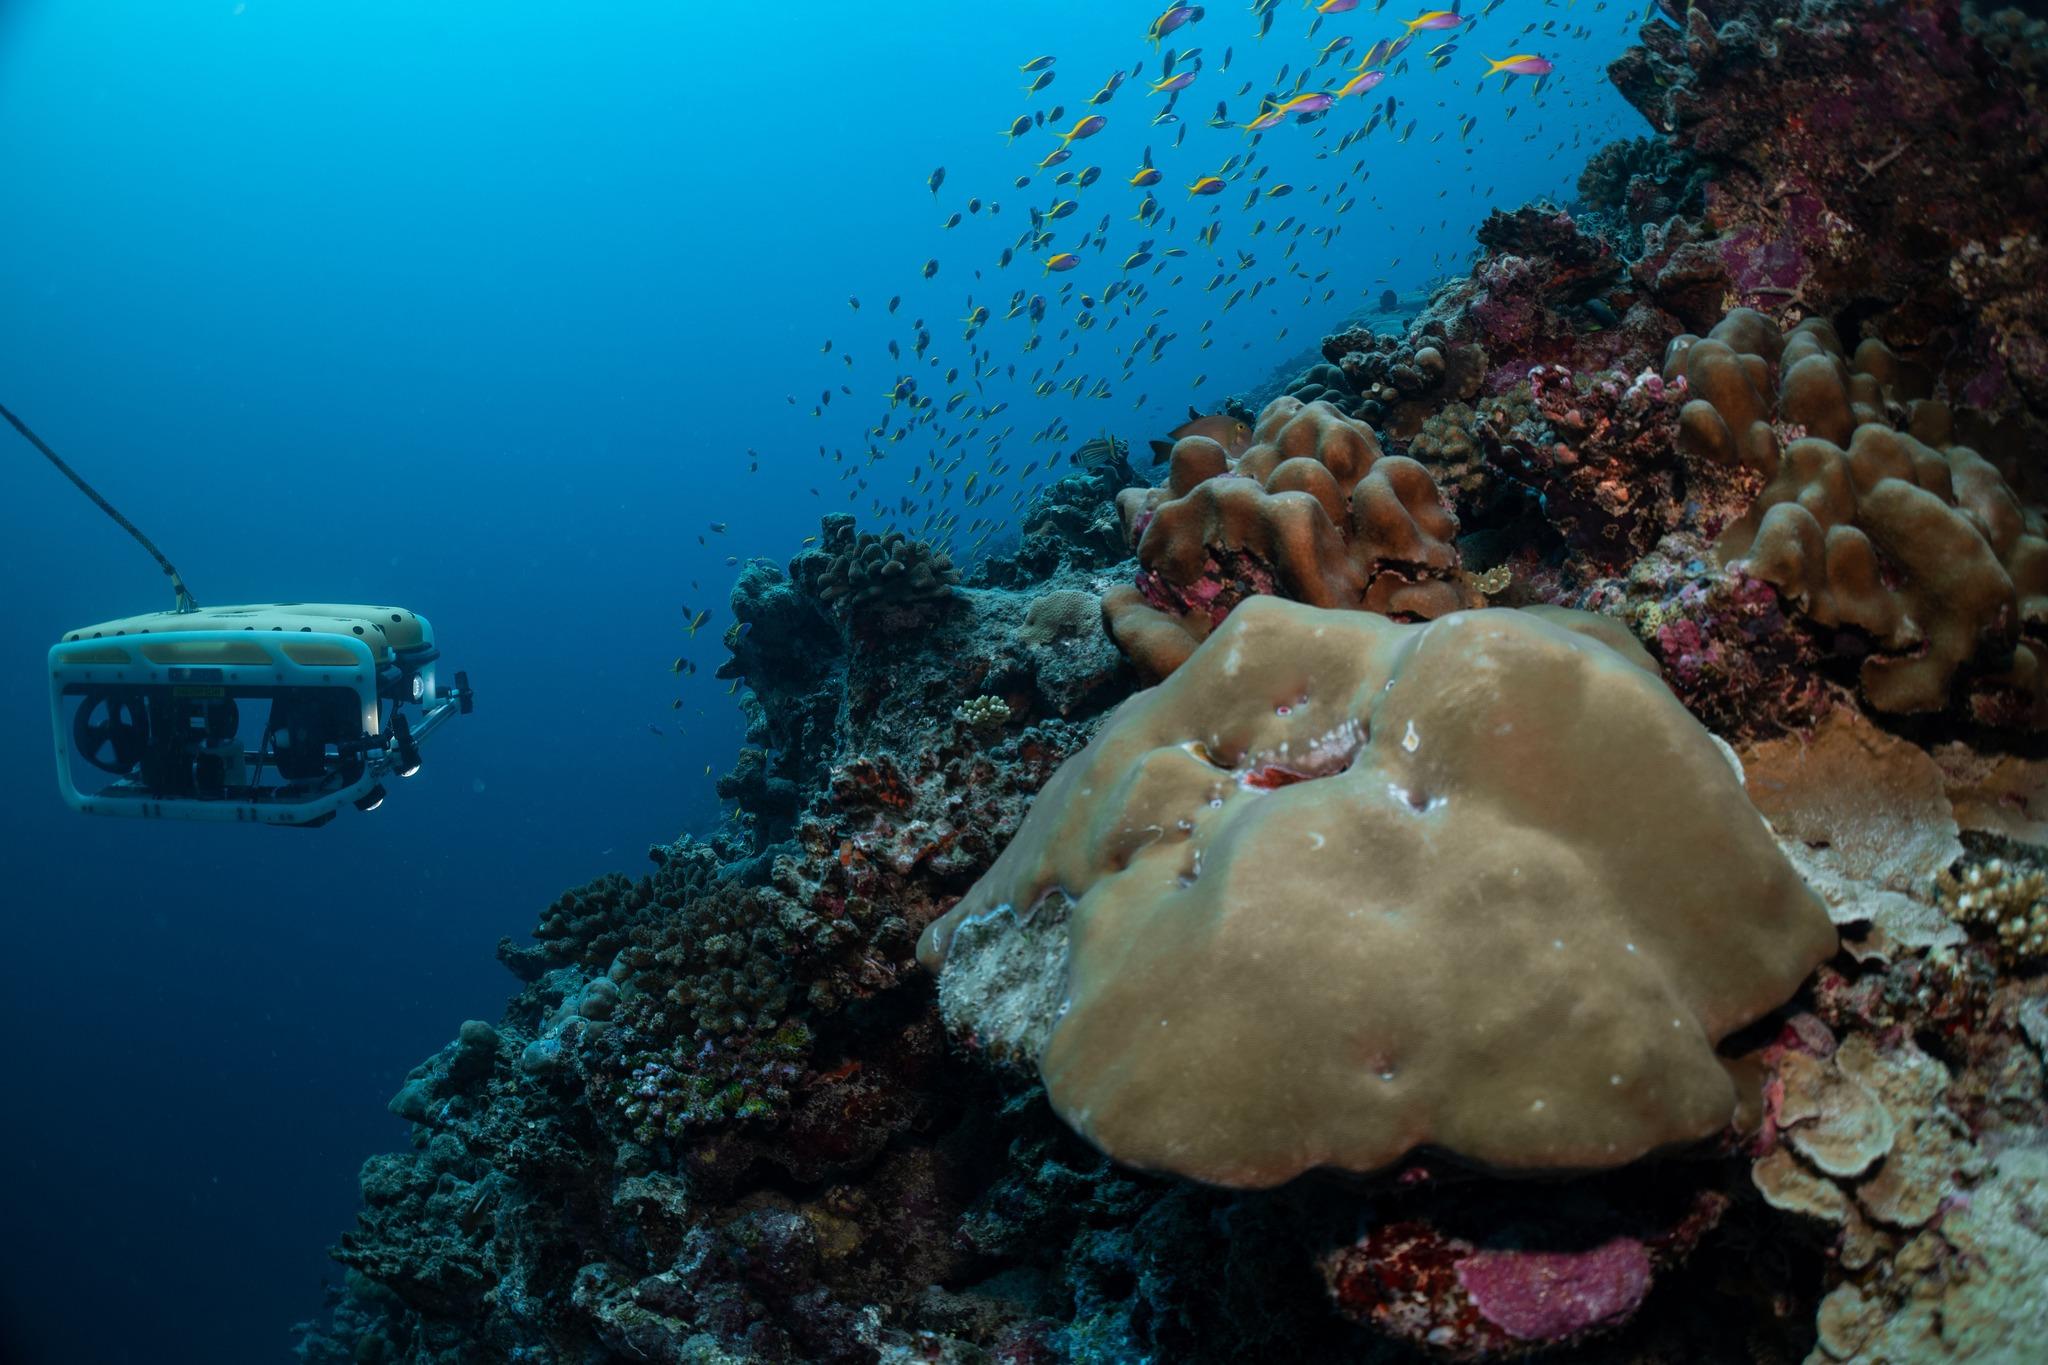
[492,310]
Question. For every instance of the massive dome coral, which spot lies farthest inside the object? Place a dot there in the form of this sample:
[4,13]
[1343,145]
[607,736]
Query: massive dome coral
[1312,510]
[1342,887]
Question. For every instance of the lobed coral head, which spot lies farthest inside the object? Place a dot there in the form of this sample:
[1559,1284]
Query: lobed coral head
[1313,511]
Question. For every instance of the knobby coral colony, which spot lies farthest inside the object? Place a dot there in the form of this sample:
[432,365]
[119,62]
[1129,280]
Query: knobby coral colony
[1591,735]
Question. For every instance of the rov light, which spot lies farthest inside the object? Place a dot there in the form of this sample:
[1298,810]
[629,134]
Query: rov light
[406,752]
[419,688]
[371,799]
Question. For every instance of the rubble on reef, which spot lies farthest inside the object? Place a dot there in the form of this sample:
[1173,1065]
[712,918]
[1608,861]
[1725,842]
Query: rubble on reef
[1764,413]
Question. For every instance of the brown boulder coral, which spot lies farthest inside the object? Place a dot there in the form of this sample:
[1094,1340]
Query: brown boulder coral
[1750,383]
[1342,887]
[1913,541]
[1312,511]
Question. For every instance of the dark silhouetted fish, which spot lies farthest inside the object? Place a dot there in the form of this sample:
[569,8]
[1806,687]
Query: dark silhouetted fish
[1103,452]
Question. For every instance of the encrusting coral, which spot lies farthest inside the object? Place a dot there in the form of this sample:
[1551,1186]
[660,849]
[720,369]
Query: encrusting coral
[1313,512]
[1587,1270]
[1861,1138]
[1344,886]
[1058,616]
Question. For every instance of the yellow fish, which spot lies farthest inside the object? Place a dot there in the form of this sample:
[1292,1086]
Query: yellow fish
[1084,127]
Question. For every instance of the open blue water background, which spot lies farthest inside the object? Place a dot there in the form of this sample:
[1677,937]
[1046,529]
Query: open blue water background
[477,307]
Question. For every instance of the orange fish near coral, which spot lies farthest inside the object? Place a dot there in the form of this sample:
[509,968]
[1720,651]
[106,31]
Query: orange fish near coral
[1226,431]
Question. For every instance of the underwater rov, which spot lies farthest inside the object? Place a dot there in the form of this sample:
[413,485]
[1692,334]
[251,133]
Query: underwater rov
[277,714]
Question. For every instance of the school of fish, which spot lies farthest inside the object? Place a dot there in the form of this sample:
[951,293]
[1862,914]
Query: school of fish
[1072,304]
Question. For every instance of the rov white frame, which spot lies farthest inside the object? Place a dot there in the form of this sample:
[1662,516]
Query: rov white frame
[85,663]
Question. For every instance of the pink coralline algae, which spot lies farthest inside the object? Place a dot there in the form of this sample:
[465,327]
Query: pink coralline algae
[1714,649]
[1726,644]
[1766,268]
[1229,576]
[1464,1301]
[1556,1295]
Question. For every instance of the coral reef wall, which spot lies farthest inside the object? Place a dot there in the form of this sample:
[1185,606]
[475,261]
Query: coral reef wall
[1742,453]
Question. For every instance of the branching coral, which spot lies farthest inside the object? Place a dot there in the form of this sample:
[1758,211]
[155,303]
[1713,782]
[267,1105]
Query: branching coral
[1313,511]
[585,927]
[1344,886]
[720,1120]
[1597,448]
[983,713]
[1580,264]
[2007,899]
[710,966]
[744,1076]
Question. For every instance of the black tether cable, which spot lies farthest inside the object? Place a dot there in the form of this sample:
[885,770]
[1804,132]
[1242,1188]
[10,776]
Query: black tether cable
[186,602]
